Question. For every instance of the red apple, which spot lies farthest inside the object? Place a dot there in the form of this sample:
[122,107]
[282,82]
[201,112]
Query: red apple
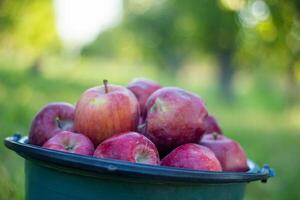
[53,118]
[106,110]
[130,146]
[192,156]
[174,117]
[143,88]
[230,153]
[212,125]
[70,142]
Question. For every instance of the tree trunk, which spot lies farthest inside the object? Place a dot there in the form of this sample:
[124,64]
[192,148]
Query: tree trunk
[171,61]
[226,74]
[36,66]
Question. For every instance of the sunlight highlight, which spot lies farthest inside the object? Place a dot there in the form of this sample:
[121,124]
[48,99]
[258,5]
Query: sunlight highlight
[79,22]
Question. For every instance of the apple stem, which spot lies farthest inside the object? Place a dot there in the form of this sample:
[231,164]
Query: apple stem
[215,135]
[105,86]
[141,128]
[58,122]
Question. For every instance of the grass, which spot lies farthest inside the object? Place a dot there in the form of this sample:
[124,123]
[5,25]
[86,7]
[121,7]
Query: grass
[258,118]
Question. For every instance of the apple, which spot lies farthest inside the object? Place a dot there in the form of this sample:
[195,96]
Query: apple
[142,89]
[70,142]
[53,118]
[212,125]
[229,152]
[129,146]
[106,110]
[174,117]
[192,156]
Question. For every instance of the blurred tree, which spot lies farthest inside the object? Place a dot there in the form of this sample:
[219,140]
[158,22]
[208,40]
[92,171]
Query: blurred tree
[287,21]
[271,28]
[238,33]
[216,30]
[167,32]
[28,26]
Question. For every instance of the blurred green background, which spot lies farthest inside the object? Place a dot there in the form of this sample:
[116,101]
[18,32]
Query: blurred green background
[241,56]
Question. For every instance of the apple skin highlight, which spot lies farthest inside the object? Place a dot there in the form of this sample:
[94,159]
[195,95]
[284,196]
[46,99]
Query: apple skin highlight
[129,146]
[229,152]
[70,142]
[192,156]
[52,119]
[174,117]
[142,89]
[106,110]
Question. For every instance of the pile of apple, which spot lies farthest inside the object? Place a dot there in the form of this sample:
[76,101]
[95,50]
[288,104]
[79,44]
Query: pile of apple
[140,123]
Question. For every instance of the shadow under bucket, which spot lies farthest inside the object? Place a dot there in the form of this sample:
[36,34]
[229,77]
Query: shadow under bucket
[55,175]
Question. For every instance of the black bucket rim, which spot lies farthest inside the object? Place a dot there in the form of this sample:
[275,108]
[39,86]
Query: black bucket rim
[92,164]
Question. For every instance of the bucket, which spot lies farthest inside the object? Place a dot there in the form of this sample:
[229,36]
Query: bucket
[55,175]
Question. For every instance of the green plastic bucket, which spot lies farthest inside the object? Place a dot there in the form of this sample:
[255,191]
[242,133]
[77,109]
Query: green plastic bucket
[55,175]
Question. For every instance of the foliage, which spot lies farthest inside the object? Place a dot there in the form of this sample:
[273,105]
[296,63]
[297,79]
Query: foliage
[168,32]
[28,27]
[270,33]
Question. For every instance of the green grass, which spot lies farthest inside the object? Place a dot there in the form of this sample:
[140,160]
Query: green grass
[258,118]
